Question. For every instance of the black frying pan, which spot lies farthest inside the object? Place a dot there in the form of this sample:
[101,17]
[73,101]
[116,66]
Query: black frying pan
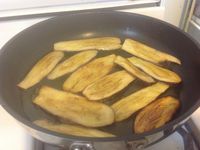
[25,49]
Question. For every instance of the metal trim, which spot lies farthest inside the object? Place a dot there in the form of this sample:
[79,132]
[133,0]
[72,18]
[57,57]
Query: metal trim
[196,20]
[185,14]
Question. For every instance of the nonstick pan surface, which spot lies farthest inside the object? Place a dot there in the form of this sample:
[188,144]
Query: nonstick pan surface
[26,48]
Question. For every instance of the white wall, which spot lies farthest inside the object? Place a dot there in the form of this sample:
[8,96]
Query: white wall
[173,10]
[169,11]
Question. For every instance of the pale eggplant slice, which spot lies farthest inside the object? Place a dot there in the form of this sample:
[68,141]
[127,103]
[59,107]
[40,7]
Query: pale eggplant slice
[41,69]
[102,43]
[155,71]
[108,85]
[145,52]
[123,62]
[74,108]
[125,107]
[75,130]
[89,73]
[156,114]
[71,64]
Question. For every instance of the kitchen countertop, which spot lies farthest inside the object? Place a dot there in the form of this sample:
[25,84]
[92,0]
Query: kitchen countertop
[13,136]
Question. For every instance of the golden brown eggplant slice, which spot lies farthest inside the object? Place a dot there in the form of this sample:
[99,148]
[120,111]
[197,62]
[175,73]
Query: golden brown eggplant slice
[156,114]
[41,69]
[145,52]
[72,129]
[155,71]
[102,43]
[89,73]
[72,63]
[74,108]
[108,85]
[123,62]
[125,107]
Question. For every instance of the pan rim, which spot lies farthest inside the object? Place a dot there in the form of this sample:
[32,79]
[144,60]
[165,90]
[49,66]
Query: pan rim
[29,124]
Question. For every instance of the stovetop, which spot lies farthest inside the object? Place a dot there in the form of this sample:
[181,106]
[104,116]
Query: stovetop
[181,139]
[173,142]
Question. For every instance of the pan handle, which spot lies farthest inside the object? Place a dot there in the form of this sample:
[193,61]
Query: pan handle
[81,146]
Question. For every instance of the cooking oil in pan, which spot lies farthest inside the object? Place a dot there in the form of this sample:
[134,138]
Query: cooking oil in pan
[33,112]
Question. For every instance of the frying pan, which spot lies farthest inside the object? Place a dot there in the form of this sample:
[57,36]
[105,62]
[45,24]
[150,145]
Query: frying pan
[23,51]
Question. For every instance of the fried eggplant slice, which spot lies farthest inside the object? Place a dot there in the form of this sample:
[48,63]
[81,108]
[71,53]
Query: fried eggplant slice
[108,85]
[145,52]
[155,71]
[72,129]
[123,62]
[74,108]
[72,63]
[156,114]
[89,73]
[102,43]
[125,107]
[41,69]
